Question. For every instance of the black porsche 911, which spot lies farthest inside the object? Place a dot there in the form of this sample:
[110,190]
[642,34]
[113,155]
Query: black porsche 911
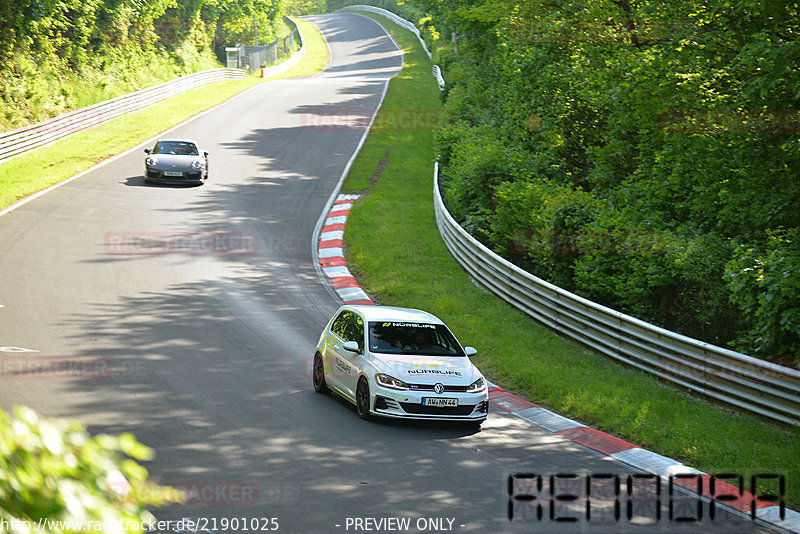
[176,161]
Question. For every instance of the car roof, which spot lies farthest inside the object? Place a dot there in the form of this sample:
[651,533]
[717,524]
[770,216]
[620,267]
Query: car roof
[392,313]
[177,141]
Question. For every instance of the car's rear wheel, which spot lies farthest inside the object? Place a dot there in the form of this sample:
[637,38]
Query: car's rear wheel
[362,398]
[318,374]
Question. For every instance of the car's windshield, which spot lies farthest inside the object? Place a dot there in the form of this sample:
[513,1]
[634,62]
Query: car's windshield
[396,337]
[176,147]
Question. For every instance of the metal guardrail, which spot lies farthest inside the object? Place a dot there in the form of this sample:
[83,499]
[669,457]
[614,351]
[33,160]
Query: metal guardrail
[437,71]
[394,18]
[737,379]
[290,62]
[253,58]
[22,140]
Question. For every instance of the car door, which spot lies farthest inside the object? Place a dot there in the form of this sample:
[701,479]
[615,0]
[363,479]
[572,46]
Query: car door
[333,338]
[341,366]
[347,364]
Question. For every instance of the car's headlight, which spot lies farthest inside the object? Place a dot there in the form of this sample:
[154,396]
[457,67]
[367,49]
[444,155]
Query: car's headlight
[196,164]
[477,386]
[151,162]
[390,382]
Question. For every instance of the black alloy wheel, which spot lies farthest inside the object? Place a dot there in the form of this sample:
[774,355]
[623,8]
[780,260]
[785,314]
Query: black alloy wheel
[318,374]
[362,399]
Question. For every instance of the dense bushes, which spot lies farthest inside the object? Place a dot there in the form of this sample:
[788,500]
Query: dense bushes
[764,283]
[56,478]
[57,55]
[643,154]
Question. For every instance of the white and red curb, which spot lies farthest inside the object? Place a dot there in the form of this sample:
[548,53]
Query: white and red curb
[334,265]
[331,255]
[639,458]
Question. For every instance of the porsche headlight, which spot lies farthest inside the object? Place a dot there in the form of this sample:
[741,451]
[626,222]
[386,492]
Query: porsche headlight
[390,382]
[196,164]
[477,386]
[151,162]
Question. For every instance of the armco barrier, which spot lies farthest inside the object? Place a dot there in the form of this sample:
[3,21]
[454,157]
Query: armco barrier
[394,18]
[28,138]
[287,64]
[437,71]
[737,379]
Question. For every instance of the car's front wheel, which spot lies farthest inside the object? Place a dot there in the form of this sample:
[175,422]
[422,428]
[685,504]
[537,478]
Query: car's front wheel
[362,398]
[318,374]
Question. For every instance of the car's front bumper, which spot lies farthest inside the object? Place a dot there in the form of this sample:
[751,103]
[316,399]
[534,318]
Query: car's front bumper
[403,404]
[193,176]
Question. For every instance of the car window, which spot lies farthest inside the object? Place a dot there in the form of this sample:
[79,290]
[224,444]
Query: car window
[355,330]
[176,147]
[339,324]
[392,337]
[350,327]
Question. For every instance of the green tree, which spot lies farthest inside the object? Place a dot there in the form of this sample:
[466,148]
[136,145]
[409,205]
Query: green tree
[53,471]
[765,286]
[58,55]
[647,138]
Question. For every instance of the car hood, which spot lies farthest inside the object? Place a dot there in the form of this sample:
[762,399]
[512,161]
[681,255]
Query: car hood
[175,160]
[428,369]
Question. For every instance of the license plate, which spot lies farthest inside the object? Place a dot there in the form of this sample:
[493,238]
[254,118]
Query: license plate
[172,173]
[437,401]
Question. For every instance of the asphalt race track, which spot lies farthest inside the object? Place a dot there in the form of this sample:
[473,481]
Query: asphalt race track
[190,317]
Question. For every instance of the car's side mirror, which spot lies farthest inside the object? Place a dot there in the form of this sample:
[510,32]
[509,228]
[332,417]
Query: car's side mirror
[470,351]
[146,150]
[351,346]
[205,154]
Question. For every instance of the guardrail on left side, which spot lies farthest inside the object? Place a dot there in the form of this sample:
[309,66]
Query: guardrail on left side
[25,139]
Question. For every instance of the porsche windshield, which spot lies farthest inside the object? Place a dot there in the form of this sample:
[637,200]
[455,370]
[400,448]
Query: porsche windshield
[393,337]
[176,147]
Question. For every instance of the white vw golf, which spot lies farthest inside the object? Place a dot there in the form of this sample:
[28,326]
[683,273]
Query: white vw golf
[399,362]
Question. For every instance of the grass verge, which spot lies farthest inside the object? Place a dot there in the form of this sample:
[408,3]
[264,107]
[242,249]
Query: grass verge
[41,168]
[394,249]
[317,54]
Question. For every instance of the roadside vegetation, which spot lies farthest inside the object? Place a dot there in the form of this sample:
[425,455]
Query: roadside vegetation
[394,249]
[61,55]
[394,246]
[34,171]
[641,154]
[56,478]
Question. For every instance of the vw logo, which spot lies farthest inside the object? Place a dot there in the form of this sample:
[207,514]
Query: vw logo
[438,388]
